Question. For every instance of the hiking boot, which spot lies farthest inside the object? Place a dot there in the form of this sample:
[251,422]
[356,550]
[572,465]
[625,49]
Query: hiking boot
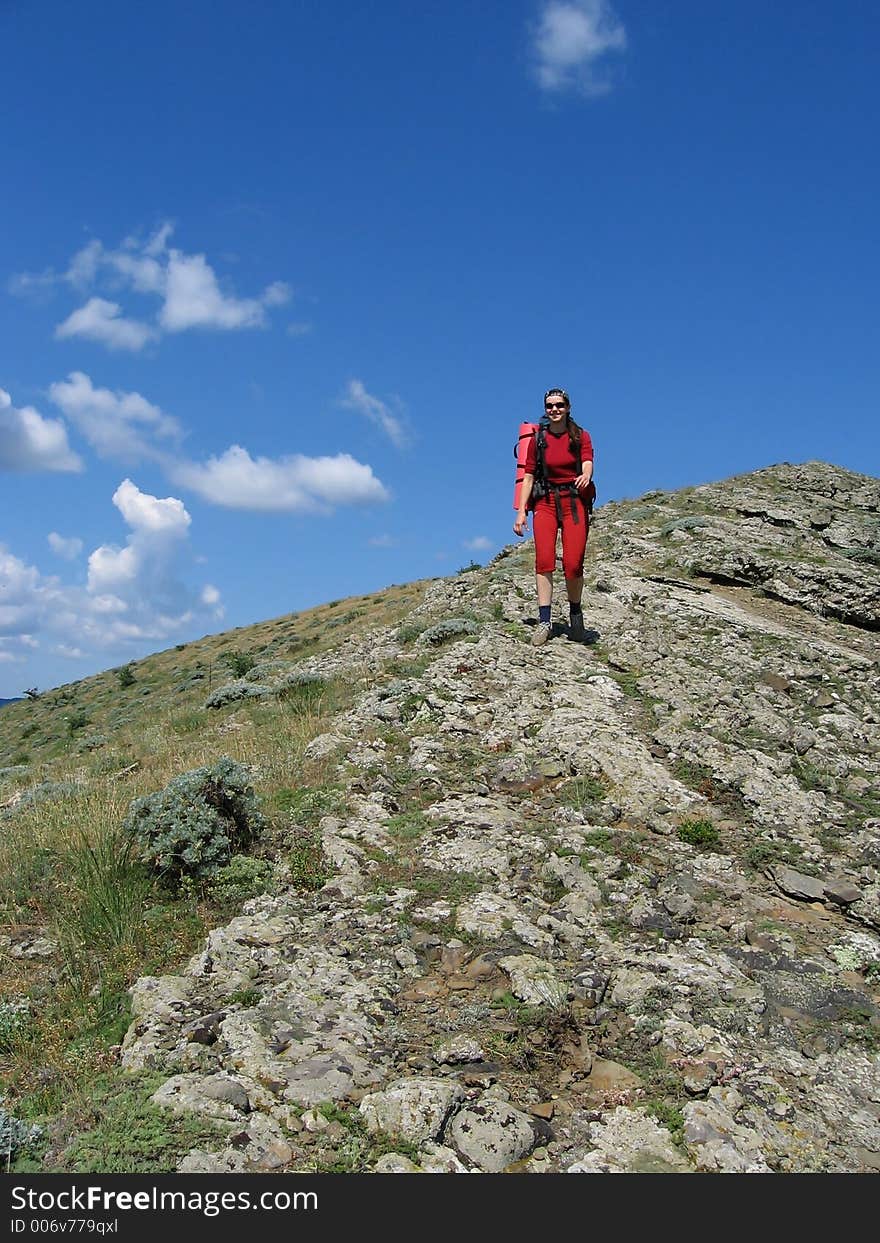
[541,633]
[576,628]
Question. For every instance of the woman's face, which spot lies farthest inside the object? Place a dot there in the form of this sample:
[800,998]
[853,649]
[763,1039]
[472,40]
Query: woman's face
[556,409]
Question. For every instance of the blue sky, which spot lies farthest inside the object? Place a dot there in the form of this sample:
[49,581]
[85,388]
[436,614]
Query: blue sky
[279,281]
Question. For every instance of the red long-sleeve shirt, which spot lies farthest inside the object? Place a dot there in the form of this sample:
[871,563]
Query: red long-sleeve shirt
[560,462]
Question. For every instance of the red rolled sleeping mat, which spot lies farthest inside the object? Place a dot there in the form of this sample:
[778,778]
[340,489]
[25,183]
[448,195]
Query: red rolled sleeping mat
[526,431]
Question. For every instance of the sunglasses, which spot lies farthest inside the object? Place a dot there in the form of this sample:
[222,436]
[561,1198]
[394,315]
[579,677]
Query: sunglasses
[554,405]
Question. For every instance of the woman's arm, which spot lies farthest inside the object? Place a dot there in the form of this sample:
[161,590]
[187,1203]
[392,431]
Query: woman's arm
[525,491]
[586,474]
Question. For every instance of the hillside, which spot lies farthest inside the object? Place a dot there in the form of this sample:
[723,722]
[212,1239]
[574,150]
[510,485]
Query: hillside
[612,906]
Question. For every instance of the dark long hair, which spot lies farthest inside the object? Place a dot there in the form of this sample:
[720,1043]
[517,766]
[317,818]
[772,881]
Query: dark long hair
[574,439]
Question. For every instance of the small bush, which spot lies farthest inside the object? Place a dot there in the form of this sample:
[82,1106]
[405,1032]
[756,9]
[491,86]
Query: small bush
[239,662]
[406,633]
[683,524]
[763,853]
[79,720]
[582,792]
[126,677]
[306,806]
[94,742]
[869,556]
[268,670]
[409,826]
[243,877]
[15,1018]
[670,1116]
[701,833]
[310,868]
[451,628]
[11,770]
[189,682]
[193,826]
[15,1135]
[233,691]
[45,791]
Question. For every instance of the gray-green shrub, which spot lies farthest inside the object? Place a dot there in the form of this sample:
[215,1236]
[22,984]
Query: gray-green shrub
[201,818]
[239,662]
[683,524]
[233,691]
[241,878]
[15,1134]
[451,628]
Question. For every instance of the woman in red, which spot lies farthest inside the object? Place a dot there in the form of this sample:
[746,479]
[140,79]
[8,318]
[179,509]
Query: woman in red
[558,501]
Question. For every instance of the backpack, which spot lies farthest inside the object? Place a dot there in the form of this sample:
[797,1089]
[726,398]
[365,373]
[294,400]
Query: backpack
[540,487]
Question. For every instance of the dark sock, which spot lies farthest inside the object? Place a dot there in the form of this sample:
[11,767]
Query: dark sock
[544,613]
[574,609]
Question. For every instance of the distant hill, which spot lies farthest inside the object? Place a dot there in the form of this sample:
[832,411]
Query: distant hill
[4,702]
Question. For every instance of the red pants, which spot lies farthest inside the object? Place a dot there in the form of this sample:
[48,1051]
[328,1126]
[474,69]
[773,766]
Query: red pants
[575,528]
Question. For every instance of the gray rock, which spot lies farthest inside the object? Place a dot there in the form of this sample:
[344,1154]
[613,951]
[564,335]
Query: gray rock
[459,1048]
[533,980]
[797,885]
[491,1134]
[395,1163]
[220,1088]
[719,1143]
[415,1109]
[841,891]
[212,1097]
[628,1141]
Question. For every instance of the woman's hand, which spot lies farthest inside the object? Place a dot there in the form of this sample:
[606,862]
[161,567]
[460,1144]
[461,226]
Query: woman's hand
[521,520]
[582,481]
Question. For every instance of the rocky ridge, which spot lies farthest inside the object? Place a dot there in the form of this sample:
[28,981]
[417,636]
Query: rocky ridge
[600,907]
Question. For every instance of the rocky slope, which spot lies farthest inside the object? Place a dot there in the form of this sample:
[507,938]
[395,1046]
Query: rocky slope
[612,906]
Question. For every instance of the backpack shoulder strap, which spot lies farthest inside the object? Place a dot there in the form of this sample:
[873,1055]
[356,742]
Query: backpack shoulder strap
[540,448]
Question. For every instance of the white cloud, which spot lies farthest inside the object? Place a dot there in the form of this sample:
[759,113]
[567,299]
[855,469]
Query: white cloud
[357,398]
[28,442]
[134,594]
[112,569]
[149,515]
[382,541]
[103,321]
[36,285]
[238,481]
[117,425]
[571,39]
[193,298]
[67,547]
[187,286]
[84,265]
[480,543]
[156,525]
[299,328]
[21,591]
